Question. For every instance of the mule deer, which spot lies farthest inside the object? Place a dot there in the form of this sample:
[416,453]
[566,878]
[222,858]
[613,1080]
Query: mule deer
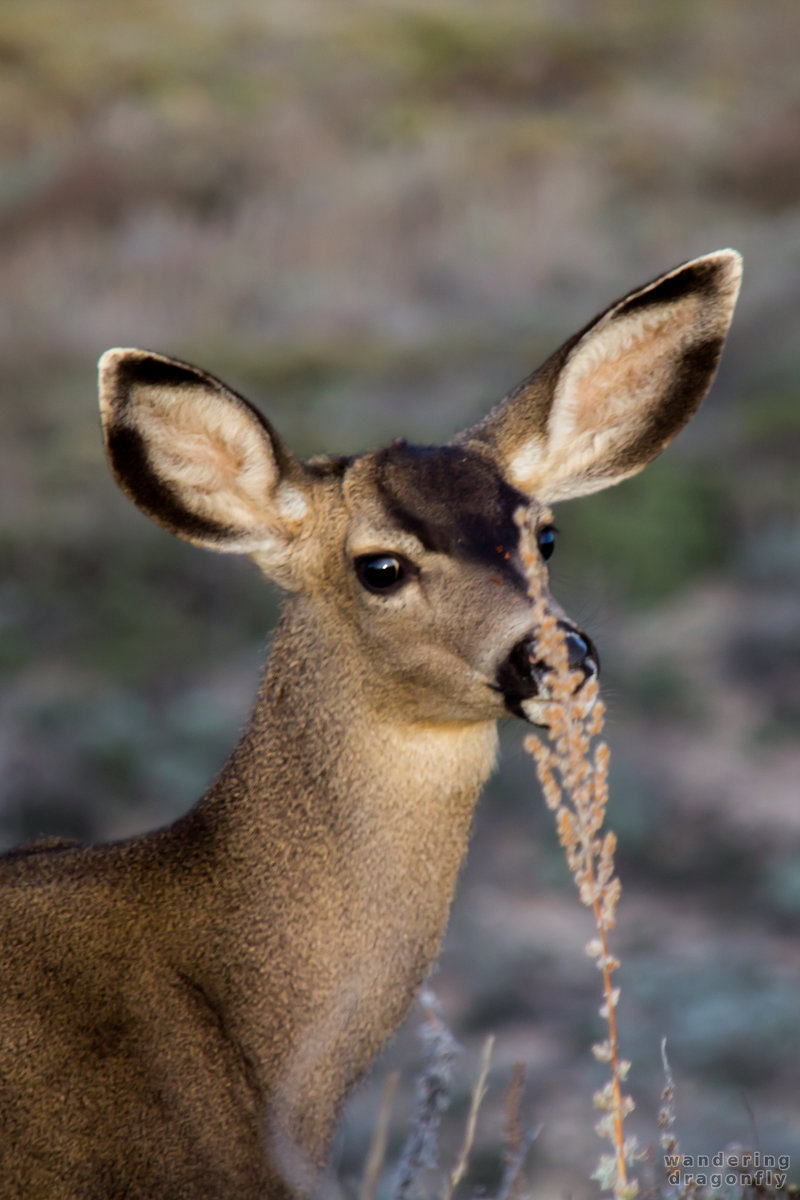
[184,1012]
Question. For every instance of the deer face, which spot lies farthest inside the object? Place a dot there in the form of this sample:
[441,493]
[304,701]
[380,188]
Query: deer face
[413,552]
[432,585]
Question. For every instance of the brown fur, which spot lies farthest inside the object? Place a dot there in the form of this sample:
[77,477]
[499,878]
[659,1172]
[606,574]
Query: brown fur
[184,1013]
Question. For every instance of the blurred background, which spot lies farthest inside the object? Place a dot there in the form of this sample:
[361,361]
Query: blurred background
[373,218]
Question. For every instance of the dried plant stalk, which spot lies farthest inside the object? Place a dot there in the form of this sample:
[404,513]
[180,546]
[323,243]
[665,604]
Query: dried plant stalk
[421,1150]
[513,1107]
[670,1146]
[478,1093]
[380,1138]
[574,779]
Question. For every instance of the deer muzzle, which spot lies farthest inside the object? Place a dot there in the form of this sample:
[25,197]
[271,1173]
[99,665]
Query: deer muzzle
[522,677]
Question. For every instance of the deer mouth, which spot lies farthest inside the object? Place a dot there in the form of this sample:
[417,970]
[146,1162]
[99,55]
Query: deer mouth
[523,679]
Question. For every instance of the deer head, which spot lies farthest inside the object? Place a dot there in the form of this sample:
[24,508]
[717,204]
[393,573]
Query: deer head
[411,552]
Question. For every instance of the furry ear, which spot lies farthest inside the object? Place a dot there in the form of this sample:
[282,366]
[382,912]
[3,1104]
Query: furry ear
[199,459]
[616,394]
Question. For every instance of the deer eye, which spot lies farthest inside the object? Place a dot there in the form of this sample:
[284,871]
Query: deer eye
[381,572]
[546,539]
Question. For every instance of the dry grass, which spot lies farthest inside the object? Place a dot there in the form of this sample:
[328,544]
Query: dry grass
[418,1172]
[573,772]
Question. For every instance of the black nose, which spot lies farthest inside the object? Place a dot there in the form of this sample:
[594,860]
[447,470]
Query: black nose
[581,653]
[521,676]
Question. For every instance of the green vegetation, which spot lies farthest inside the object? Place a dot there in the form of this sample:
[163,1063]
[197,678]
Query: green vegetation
[657,533]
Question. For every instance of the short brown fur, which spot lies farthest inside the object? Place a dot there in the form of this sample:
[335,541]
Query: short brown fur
[184,1013]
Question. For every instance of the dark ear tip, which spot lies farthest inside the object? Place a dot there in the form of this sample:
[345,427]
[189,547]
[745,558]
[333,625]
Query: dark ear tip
[110,362]
[715,277]
[719,272]
[121,369]
[728,264]
[111,367]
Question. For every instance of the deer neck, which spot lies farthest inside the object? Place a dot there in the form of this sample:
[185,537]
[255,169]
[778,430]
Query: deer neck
[340,831]
[327,792]
[321,754]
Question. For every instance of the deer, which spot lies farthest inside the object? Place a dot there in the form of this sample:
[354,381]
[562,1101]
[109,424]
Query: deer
[184,1012]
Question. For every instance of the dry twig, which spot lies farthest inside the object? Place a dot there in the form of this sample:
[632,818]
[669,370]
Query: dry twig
[380,1137]
[433,1097]
[478,1092]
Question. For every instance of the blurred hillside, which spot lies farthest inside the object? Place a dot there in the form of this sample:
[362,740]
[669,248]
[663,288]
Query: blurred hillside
[373,218]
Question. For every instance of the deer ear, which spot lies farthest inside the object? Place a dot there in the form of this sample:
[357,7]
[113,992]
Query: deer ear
[616,394]
[199,459]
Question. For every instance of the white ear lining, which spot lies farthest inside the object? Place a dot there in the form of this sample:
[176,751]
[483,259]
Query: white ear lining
[213,456]
[605,395]
[605,383]
[613,397]
[292,504]
[524,465]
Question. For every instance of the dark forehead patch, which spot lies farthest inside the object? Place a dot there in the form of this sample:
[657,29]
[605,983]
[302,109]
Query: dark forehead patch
[453,499]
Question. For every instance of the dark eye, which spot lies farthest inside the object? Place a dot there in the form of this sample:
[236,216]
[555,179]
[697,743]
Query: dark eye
[381,572]
[547,541]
